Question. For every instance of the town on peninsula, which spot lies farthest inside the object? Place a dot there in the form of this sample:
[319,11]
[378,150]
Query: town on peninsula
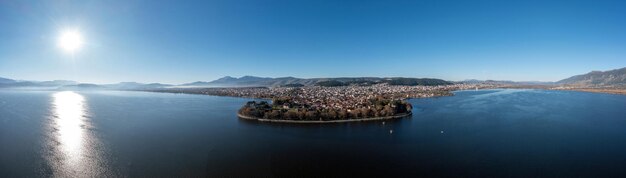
[332,101]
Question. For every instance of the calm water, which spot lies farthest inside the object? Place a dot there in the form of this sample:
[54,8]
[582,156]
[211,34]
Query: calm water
[475,133]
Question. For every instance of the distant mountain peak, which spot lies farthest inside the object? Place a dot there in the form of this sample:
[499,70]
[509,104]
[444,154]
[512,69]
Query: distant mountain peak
[225,79]
[248,77]
[595,72]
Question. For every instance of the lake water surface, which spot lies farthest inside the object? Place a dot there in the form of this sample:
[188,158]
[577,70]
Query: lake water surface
[474,133]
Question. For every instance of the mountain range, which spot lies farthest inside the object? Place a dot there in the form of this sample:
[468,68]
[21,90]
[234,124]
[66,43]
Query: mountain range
[245,81]
[66,84]
[611,78]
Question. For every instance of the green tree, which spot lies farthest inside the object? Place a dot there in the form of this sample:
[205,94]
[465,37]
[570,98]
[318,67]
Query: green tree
[343,114]
[389,111]
[311,115]
[291,114]
[332,114]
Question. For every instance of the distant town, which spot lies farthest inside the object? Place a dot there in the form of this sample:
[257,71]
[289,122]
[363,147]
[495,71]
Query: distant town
[329,103]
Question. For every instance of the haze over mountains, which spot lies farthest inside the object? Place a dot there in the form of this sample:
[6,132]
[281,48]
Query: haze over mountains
[611,78]
[5,82]
[66,84]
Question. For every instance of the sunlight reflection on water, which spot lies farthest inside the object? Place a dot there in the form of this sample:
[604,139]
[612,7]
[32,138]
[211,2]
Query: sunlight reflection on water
[73,150]
[69,109]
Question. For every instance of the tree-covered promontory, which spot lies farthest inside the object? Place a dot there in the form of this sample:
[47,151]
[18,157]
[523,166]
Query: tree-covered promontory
[285,109]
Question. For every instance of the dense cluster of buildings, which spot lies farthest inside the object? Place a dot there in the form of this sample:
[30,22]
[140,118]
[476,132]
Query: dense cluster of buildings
[334,97]
[331,102]
[353,97]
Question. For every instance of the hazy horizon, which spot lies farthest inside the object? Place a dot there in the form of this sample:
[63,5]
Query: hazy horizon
[182,42]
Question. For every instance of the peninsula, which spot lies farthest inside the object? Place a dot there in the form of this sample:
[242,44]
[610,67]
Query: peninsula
[329,100]
[317,104]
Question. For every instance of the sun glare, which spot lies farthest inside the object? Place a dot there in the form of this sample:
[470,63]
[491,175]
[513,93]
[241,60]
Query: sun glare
[70,40]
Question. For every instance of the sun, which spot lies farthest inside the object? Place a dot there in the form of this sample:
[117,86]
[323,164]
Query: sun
[70,40]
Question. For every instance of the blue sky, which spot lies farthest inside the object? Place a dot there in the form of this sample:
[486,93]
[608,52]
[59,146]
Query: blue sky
[179,42]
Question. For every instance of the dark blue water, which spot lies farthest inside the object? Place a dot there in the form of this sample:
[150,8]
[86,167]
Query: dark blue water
[474,133]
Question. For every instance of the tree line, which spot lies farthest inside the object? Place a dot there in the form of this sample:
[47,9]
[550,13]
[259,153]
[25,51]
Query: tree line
[276,110]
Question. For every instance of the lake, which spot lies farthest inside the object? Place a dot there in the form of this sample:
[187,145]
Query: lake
[524,133]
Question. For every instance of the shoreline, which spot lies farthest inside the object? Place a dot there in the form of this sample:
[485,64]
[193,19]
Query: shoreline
[241,116]
[606,91]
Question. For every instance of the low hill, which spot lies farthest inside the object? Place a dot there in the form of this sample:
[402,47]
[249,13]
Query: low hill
[416,81]
[331,83]
[135,86]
